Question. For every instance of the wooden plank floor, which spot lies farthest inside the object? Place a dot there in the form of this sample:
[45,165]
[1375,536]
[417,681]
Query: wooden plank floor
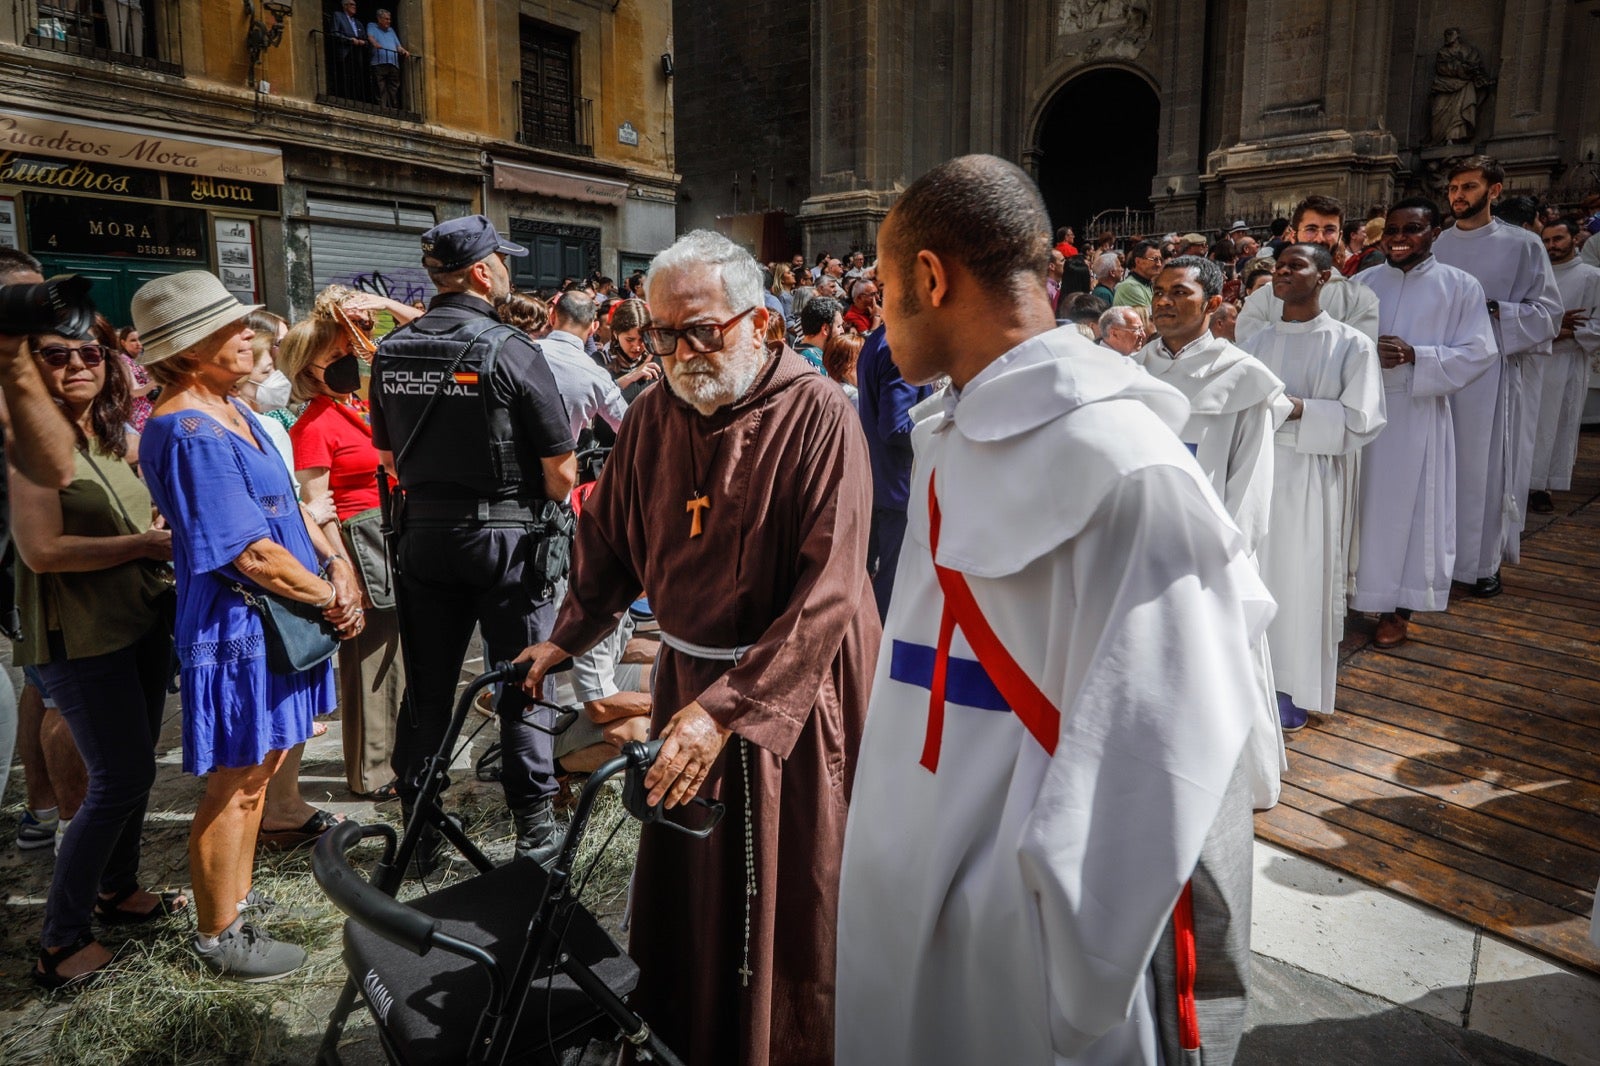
[1463,768]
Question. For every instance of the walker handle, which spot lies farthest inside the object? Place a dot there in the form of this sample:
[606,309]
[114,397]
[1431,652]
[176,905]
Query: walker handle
[636,798]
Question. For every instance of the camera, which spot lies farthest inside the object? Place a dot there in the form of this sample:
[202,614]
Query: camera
[60,305]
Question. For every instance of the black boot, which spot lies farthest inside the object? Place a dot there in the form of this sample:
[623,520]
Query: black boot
[539,836]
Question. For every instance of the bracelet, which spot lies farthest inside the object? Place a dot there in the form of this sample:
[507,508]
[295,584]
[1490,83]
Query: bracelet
[327,564]
[333,594]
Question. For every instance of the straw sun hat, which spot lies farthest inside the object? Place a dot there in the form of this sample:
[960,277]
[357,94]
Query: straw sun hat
[178,311]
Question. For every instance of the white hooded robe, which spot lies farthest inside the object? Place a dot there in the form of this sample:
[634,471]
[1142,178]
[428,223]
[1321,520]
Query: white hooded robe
[1005,907]
[1235,403]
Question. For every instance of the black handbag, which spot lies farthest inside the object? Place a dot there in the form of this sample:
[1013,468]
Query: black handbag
[298,637]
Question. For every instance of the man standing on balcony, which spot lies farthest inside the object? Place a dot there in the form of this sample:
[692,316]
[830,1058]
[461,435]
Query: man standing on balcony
[349,38]
[386,54]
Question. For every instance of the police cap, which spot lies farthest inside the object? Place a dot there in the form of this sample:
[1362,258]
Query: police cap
[461,242]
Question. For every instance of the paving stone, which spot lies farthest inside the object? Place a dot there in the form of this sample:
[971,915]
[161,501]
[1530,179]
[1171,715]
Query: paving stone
[1298,1017]
[1536,1004]
[1329,923]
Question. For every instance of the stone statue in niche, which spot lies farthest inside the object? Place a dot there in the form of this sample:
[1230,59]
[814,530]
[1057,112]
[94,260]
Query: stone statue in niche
[1102,29]
[1461,81]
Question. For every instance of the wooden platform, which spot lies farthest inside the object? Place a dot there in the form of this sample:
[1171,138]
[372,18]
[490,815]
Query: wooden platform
[1463,768]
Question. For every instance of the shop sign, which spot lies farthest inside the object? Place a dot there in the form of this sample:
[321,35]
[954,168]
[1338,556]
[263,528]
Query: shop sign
[68,175]
[32,133]
[214,192]
[79,225]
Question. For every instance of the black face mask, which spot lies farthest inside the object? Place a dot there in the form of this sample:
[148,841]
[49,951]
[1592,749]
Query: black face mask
[343,376]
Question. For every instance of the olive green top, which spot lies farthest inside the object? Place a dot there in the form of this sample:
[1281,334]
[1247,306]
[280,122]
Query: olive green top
[98,611]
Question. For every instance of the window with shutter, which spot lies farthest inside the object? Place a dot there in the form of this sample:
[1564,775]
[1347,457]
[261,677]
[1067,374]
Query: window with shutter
[548,85]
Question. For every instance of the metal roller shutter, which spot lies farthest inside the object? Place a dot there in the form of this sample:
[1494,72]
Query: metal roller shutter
[369,246]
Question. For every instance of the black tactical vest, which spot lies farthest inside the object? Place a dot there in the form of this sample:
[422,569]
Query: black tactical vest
[451,438]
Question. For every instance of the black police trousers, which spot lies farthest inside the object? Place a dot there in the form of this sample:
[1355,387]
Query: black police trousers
[449,579]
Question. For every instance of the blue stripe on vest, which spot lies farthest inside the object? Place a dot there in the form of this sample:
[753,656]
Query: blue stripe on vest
[1194,449]
[965,681]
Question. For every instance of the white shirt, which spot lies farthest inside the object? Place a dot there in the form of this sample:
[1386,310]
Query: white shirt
[585,387]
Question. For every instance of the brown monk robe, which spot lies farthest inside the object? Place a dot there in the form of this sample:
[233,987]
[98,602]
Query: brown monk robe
[779,564]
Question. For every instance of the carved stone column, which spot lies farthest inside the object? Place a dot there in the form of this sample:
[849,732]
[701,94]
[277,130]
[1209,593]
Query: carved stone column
[1524,133]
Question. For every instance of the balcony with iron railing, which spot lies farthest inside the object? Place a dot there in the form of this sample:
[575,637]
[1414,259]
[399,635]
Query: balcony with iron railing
[562,124]
[147,34]
[347,78]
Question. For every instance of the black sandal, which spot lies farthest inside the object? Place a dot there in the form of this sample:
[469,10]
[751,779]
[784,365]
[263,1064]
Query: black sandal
[293,839]
[47,973]
[385,793]
[109,911]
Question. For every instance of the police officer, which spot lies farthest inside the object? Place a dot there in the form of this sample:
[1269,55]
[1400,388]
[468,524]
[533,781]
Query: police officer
[466,413]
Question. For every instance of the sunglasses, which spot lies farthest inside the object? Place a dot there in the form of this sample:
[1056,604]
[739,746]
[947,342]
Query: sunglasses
[703,338]
[59,355]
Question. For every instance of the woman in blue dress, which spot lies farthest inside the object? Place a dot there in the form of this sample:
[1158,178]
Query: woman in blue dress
[235,521]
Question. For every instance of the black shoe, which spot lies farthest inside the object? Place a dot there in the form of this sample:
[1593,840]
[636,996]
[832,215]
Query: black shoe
[539,836]
[1488,586]
[430,848]
[1539,502]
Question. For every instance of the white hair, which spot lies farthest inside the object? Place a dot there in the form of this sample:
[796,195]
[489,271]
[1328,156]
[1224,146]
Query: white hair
[1121,315]
[1105,264]
[741,274]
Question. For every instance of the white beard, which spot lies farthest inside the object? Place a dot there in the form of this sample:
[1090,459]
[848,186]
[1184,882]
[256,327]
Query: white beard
[706,385]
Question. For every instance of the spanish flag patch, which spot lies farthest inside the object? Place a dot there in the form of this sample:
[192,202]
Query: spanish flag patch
[466,379]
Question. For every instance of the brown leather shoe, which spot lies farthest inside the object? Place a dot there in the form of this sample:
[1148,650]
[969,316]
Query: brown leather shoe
[1391,631]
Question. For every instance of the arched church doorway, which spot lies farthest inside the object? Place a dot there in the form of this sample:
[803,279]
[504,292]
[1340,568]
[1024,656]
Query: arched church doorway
[1097,148]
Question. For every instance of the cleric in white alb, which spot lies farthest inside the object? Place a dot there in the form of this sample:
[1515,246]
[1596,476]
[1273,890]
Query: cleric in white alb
[1566,378]
[1065,686]
[1235,403]
[1496,415]
[1435,339]
[1332,379]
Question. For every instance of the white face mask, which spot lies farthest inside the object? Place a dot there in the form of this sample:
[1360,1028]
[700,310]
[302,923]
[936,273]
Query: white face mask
[273,393]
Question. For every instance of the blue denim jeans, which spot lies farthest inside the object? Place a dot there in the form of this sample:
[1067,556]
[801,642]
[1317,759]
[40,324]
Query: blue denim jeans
[112,704]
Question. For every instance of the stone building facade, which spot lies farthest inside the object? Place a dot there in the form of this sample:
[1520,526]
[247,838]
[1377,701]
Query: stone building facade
[1134,115]
[135,146]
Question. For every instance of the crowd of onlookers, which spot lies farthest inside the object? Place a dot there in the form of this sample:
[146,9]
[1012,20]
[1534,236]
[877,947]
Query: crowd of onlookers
[250,436]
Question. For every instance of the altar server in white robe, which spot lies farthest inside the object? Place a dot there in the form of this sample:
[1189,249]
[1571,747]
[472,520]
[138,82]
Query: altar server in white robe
[1315,220]
[1435,340]
[1495,417]
[1334,385]
[1235,403]
[1065,687]
[1566,377]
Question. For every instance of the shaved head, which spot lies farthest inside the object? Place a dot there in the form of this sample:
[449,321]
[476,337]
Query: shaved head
[977,210]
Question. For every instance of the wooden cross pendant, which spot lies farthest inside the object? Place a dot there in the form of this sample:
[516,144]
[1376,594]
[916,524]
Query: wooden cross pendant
[695,505]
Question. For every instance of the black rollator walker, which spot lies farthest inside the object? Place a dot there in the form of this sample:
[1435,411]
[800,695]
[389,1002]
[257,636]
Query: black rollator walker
[507,967]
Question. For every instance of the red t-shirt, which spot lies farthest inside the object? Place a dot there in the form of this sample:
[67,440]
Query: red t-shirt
[1066,249]
[334,436]
[861,322]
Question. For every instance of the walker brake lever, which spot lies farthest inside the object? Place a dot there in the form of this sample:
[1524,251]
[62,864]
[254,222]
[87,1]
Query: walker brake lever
[636,798]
